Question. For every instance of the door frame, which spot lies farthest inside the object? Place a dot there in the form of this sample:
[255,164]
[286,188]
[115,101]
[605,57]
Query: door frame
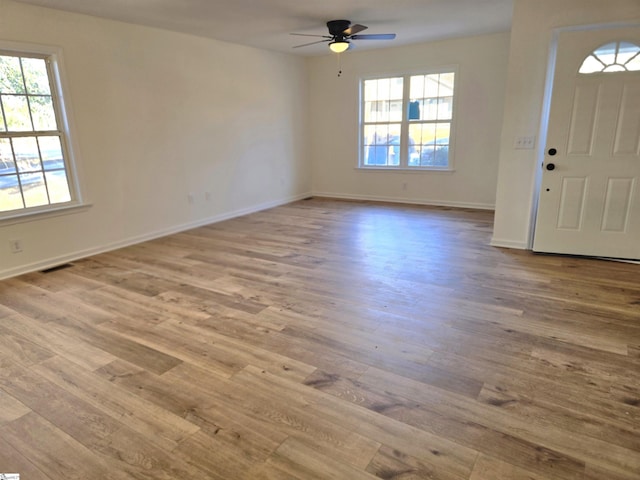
[546,108]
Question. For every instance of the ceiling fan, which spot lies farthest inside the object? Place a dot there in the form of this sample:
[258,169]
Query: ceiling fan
[341,32]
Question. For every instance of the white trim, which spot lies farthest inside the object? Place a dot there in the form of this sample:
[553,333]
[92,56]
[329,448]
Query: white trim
[501,242]
[34,215]
[406,200]
[70,257]
[382,168]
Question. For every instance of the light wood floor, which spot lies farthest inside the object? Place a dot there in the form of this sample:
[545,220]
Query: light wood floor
[323,340]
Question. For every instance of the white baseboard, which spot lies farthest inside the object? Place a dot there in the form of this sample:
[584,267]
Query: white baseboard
[70,257]
[413,201]
[501,242]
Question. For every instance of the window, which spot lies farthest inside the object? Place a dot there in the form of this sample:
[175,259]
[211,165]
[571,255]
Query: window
[34,164]
[613,57]
[406,121]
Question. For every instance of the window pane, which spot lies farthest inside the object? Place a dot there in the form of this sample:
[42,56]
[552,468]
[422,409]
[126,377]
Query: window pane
[370,90]
[44,117]
[51,152]
[431,85]
[370,111]
[383,89]
[607,53]
[634,64]
[615,68]
[58,186]
[396,88]
[383,100]
[443,133]
[383,111]
[422,133]
[445,108]
[429,144]
[34,189]
[626,51]
[35,75]
[430,110]
[416,86]
[431,97]
[446,84]
[7,165]
[10,75]
[10,198]
[27,156]
[382,144]
[591,65]
[16,111]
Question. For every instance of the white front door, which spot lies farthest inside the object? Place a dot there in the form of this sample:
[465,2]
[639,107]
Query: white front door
[589,203]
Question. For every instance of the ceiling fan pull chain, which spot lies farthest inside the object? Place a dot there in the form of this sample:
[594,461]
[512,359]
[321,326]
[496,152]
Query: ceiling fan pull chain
[339,65]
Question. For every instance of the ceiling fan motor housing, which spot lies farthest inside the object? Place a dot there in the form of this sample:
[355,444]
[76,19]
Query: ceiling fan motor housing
[337,27]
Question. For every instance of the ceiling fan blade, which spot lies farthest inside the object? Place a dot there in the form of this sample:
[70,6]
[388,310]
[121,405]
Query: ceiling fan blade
[353,29]
[312,43]
[310,35]
[374,36]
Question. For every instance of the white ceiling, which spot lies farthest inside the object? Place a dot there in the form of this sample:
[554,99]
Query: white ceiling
[267,23]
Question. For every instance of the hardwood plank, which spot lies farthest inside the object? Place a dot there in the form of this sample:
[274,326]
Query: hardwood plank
[475,424]
[197,405]
[22,349]
[133,454]
[53,452]
[489,468]
[12,408]
[429,449]
[295,456]
[392,463]
[117,345]
[160,426]
[68,413]
[13,461]
[64,345]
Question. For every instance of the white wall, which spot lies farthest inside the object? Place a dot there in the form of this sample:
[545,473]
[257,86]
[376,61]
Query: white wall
[482,71]
[533,24]
[160,115]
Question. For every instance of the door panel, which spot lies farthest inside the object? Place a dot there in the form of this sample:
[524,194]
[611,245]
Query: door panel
[583,119]
[589,203]
[628,125]
[572,203]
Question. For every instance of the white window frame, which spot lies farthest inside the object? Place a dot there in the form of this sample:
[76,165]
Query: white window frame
[59,90]
[405,122]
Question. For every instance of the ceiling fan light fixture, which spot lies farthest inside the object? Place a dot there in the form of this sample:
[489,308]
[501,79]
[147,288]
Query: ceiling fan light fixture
[339,46]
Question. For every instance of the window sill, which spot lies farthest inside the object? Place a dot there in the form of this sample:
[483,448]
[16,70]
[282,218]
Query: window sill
[405,169]
[35,215]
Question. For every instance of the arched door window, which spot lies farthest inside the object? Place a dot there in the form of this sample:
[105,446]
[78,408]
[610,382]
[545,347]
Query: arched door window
[613,57]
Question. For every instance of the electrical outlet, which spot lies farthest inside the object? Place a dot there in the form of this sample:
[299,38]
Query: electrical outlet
[191,198]
[404,186]
[207,196]
[15,245]
[524,143]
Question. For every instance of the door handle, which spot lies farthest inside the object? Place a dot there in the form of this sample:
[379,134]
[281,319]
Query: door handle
[551,166]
